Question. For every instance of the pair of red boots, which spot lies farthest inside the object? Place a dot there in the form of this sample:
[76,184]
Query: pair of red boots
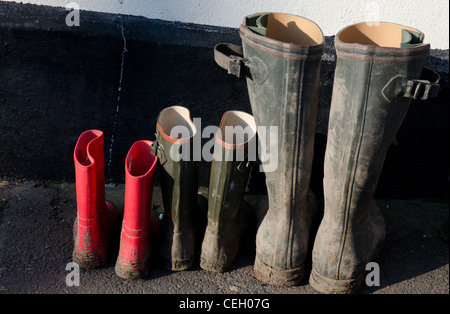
[97,217]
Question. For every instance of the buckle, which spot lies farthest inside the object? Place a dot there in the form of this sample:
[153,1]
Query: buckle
[235,65]
[421,89]
[158,151]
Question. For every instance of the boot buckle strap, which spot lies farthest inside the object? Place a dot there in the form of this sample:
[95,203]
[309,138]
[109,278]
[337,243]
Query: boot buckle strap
[158,150]
[427,86]
[230,57]
[235,65]
[421,89]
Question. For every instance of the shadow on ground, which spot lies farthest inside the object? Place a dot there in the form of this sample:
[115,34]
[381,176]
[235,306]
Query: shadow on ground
[36,221]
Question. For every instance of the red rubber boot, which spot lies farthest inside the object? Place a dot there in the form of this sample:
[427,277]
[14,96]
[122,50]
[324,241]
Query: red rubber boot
[95,216]
[139,226]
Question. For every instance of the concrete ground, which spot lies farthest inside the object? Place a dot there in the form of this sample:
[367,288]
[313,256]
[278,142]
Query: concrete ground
[36,220]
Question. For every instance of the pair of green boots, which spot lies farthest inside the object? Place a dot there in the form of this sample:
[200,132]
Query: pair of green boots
[185,207]
[378,72]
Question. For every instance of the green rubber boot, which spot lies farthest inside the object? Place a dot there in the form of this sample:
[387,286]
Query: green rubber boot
[179,187]
[234,151]
[375,80]
[281,57]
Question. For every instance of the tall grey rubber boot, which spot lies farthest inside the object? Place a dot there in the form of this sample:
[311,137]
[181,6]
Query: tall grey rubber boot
[234,150]
[281,56]
[375,79]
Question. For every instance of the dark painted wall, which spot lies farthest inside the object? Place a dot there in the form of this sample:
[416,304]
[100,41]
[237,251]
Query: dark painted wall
[57,81]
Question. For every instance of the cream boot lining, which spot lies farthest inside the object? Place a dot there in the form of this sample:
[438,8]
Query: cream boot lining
[382,34]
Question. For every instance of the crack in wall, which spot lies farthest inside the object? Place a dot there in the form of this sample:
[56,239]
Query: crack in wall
[119,91]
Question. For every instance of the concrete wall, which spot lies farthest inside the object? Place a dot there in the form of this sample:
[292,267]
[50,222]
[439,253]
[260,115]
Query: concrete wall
[431,17]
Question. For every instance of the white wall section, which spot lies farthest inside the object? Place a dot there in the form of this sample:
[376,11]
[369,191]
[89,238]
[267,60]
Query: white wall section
[431,17]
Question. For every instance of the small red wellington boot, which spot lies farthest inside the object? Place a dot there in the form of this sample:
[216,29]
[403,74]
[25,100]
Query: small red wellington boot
[95,215]
[139,226]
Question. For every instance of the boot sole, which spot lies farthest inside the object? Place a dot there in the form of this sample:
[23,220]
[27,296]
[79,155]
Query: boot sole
[177,265]
[210,260]
[130,272]
[276,276]
[88,262]
[334,286]
[214,266]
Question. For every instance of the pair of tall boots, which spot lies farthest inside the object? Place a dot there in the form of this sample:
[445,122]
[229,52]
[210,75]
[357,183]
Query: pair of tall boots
[184,231]
[377,74]
[96,217]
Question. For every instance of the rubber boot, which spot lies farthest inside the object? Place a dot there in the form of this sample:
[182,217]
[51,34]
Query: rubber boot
[377,64]
[139,226]
[95,216]
[234,150]
[179,186]
[281,61]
